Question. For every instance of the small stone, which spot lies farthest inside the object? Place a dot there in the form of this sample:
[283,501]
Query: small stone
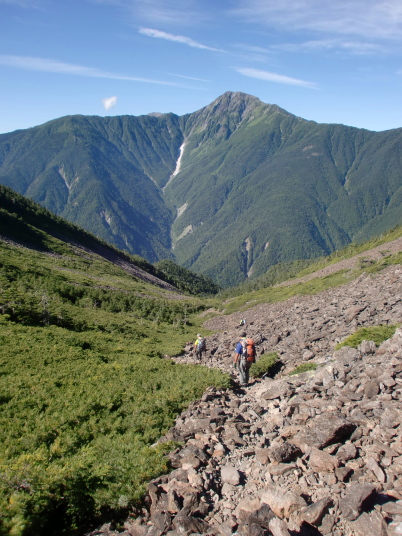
[379,473]
[230,475]
[314,513]
[371,389]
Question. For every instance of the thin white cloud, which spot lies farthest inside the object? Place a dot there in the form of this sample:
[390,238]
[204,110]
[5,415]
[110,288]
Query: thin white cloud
[189,77]
[274,77]
[371,19]
[172,13]
[20,3]
[150,32]
[54,66]
[338,45]
[250,48]
[109,102]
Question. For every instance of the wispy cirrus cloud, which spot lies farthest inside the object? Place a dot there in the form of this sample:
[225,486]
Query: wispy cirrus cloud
[174,13]
[150,32]
[54,66]
[357,48]
[250,48]
[275,77]
[189,77]
[372,19]
[20,3]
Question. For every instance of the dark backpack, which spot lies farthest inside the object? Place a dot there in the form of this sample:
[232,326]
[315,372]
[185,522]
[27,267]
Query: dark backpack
[201,345]
[248,351]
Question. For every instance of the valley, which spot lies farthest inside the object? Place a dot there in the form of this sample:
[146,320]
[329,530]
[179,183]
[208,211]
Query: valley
[228,191]
[121,238]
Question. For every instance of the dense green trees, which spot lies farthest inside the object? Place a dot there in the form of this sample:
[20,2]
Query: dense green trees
[186,280]
[257,186]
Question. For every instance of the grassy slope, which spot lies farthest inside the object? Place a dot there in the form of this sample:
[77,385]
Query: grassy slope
[242,298]
[84,392]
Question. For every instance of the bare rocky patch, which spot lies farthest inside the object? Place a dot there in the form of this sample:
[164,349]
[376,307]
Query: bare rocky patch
[318,453]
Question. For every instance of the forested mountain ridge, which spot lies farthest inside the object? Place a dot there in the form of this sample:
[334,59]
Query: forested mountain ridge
[227,191]
[26,223]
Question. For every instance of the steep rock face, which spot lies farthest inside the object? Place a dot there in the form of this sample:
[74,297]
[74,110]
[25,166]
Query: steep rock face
[228,190]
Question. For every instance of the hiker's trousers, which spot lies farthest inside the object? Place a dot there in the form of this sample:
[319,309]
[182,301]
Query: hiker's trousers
[244,369]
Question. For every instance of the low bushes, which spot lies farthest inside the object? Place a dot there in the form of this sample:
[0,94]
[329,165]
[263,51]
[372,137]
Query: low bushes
[263,365]
[378,334]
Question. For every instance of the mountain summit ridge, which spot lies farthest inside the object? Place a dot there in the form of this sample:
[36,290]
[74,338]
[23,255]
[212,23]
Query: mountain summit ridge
[256,185]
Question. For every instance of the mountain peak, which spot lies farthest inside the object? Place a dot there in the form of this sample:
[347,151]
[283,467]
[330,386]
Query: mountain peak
[234,101]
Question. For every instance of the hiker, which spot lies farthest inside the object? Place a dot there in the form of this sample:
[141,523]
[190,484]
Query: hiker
[199,346]
[244,357]
[242,322]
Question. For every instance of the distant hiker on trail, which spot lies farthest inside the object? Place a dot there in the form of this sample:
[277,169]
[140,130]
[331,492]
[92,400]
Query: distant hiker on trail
[199,346]
[244,357]
[242,322]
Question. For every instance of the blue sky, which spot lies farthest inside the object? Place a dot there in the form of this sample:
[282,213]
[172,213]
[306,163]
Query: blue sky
[337,61]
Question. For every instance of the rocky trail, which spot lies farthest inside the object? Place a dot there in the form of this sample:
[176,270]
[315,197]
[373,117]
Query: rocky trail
[318,453]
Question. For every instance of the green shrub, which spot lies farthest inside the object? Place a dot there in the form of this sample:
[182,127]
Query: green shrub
[378,334]
[263,365]
[84,393]
[303,367]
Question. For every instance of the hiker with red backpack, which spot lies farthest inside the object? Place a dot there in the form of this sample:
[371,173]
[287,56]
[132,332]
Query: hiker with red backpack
[244,357]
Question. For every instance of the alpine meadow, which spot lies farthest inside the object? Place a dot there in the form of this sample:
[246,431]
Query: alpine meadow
[82,377]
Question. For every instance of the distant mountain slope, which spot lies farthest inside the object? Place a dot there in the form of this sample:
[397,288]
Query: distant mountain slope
[228,191]
[26,223]
[105,175]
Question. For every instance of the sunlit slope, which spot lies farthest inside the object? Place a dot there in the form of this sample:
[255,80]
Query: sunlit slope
[280,188]
[84,388]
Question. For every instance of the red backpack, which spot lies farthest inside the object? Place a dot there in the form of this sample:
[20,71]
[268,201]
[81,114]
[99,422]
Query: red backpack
[249,350]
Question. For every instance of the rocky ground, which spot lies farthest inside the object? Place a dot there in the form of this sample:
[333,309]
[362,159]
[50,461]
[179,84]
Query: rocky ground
[315,454]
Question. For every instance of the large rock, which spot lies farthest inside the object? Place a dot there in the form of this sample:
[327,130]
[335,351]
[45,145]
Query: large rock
[285,452]
[186,525]
[245,508]
[356,497]
[321,461]
[371,524]
[262,516]
[277,390]
[324,430]
[314,513]
[282,504]
[278,527]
